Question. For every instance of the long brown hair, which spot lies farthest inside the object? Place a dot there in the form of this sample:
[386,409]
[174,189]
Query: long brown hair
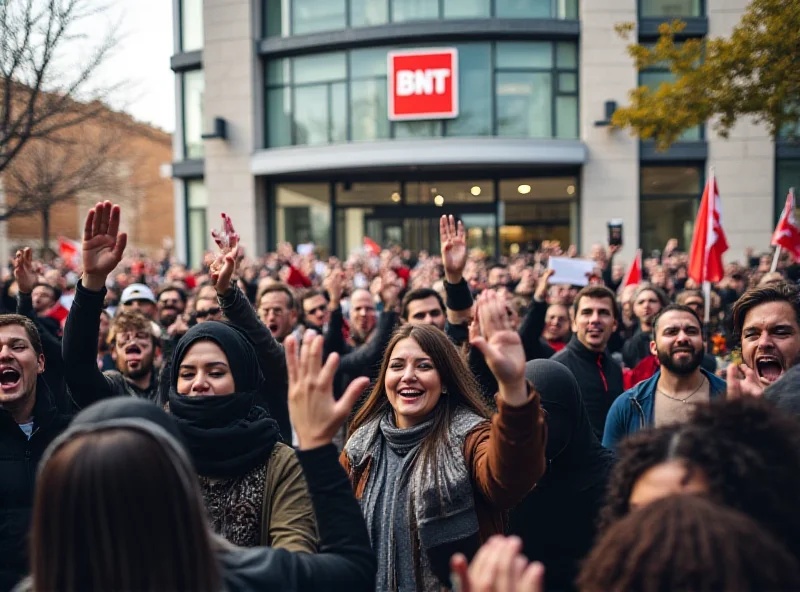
[461,388]
[113,512]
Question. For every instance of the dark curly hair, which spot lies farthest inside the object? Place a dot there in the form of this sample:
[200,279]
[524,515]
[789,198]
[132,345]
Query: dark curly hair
[748,451]
[687,542]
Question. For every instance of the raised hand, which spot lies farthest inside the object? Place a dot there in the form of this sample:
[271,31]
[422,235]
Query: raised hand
[316,416]
[24,273]
[103,244]
[454,248]
[498,566]
[334,285]
[502,348]
[540,295]
[743,382]
[224,266]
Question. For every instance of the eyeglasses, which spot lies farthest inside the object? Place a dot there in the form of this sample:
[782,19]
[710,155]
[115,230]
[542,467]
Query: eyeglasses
[316,310]
[201,314]
[124,339]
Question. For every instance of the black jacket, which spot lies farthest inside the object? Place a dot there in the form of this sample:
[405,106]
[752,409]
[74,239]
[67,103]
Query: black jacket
[637,348]
[18,459]
[86,382]
[599,378]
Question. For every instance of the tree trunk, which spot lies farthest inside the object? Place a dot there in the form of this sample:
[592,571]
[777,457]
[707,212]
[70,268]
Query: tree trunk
[46,232]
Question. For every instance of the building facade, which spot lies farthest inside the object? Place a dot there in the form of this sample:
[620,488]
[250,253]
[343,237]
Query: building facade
[295,118]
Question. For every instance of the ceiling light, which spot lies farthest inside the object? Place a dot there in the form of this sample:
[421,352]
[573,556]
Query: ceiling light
[395,197]
[570,189]
[476,191]
[438,200]
[524,189]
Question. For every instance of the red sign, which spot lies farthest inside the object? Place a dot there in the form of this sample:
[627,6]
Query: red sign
[423,84]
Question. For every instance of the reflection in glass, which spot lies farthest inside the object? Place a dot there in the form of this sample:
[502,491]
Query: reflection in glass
[338,103]
[524,9]
[368,13]
[193,89]
[312,16]
[414,10]
[191,25]
[279,117]
[417,129]
[311,121]
[196,227]
[276,18]
[324,67]
[567,118]
[567,55]
[360,194]
[475,92]
[670,8]
[368,109]
[663,219]
[302,214]
[671,180]
[467,9]
[524,105]
[453,193]
[525,55]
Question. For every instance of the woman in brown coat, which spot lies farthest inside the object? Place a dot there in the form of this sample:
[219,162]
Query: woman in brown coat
[433,473]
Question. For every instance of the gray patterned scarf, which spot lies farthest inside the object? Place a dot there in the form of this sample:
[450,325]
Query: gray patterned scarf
[433,498]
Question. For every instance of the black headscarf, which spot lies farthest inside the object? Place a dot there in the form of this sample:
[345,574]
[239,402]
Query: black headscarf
[556,521]
[227,435]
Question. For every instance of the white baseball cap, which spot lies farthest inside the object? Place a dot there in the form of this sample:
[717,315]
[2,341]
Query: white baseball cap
[137,292]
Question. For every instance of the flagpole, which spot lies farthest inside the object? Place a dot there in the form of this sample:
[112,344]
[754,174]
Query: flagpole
[775,259]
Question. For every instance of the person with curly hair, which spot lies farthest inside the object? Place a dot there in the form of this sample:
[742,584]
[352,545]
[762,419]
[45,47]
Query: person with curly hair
[686,542]
[744,454]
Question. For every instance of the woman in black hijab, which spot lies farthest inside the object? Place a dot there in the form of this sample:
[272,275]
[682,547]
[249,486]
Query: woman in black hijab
[557,520]
[252,484]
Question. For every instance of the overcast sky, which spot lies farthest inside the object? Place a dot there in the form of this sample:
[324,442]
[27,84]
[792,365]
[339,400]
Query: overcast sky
[142,58]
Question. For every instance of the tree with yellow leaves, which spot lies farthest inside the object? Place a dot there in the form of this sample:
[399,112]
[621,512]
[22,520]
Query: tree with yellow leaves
[755,72]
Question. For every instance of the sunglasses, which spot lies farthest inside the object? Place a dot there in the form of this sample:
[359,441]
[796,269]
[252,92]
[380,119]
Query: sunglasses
[201,314]
[316,310]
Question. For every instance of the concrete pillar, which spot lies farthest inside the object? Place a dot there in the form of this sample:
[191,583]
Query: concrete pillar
[230,66]
[610,177]
[744,164]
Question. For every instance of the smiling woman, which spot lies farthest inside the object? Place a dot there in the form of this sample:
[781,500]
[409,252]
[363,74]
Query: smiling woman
[425,459]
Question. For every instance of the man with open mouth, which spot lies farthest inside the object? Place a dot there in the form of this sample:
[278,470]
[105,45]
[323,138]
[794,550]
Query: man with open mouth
[766,319]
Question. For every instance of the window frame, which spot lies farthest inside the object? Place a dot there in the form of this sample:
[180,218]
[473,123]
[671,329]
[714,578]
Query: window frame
[643,197]
[183,115]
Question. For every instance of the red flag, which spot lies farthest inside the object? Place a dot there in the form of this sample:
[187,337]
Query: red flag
[634,275]
[69,250]
[787,233]
[372,246]
[708,242]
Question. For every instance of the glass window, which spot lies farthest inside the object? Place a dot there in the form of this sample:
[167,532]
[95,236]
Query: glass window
[666,218]
[368,194]
[311,122]
[474,92]
[312,16]
[671,181]
[193,89]
[652,79]
[276,18]
[369,62]
[567,56]
[368,13]
[414,10]
[524,55]
[323,67]
[196,223]
[546,188]
[467,9]
[524,225]
[368,109]
[449,193]
[303,214]
[417,129]
[670,8]
[279,117]
[191,25]
[339,109]
[524,8]
[524,105]
[567,118]
[788,176]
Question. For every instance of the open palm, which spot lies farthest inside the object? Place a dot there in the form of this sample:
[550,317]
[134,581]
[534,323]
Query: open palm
[499,343]
[103,244]
[454,246]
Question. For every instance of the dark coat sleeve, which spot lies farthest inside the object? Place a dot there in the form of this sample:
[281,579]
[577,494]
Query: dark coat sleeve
[365,360]
[334,337]
[345,560]
[531,331]
[85,381]
[271,357]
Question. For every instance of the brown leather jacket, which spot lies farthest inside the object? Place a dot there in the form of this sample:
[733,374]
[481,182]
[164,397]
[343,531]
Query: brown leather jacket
[506,457]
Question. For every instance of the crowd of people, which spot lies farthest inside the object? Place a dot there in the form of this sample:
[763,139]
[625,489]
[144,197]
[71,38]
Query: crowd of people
[395,421]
